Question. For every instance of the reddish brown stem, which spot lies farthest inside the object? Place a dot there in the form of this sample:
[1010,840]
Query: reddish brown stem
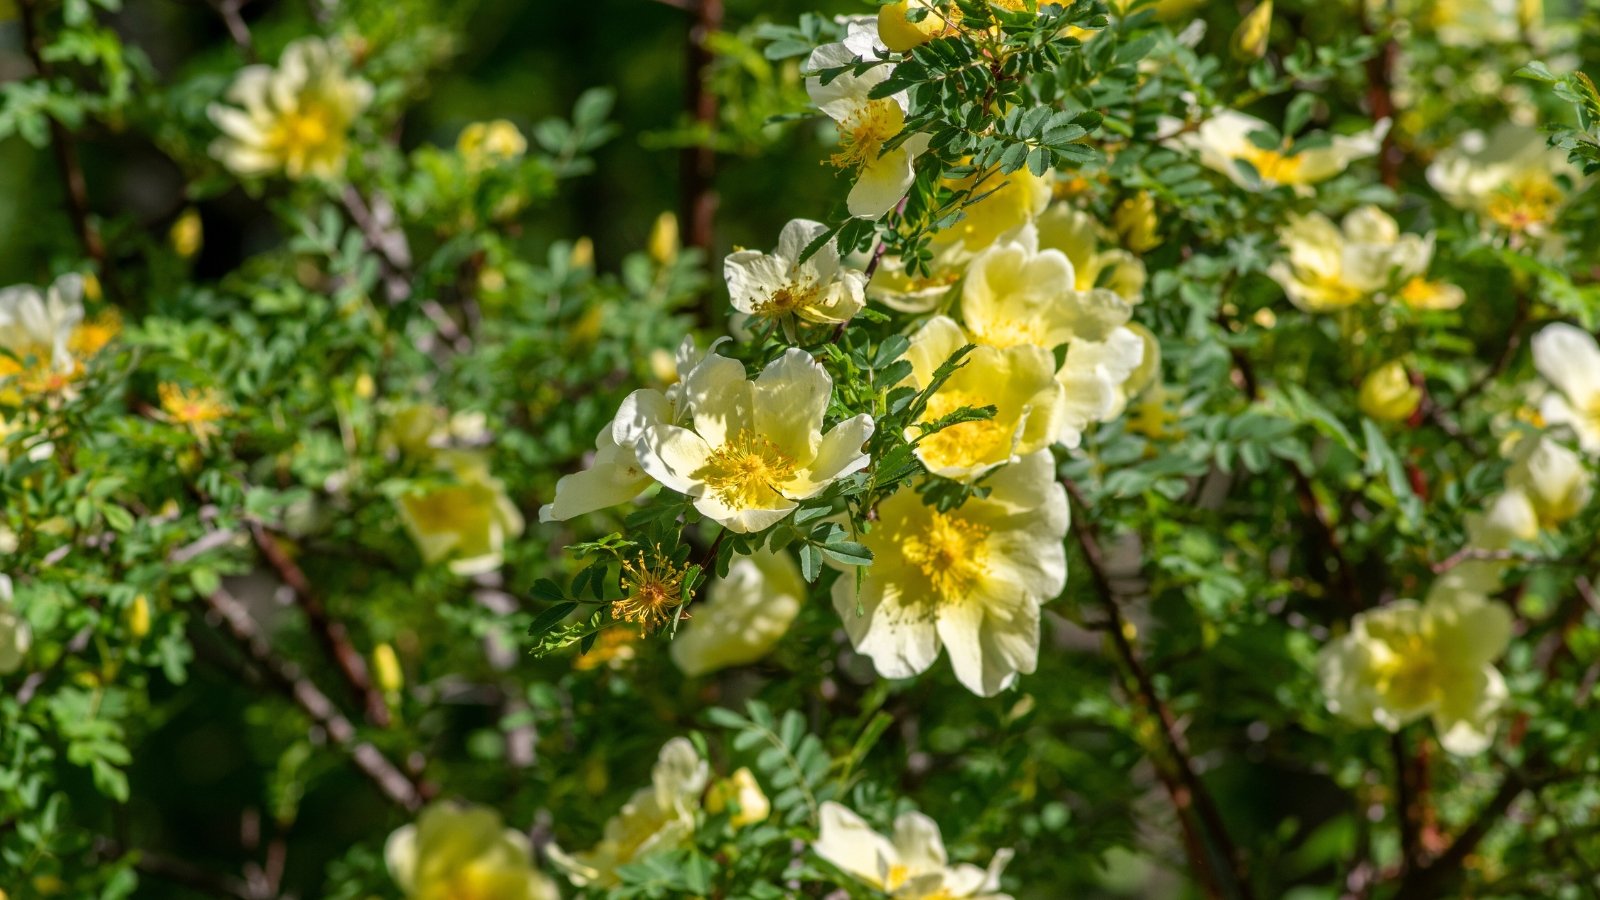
[1183,783]
[698,163]
[288,680]
[331,633]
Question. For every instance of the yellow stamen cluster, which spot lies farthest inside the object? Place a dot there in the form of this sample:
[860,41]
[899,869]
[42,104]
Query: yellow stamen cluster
[863,134]
[1406,674]
[1273,165]
[965,443]
[654,592]
[745,472]
[786,300]
[1528,201]
[198,410]
[949,552]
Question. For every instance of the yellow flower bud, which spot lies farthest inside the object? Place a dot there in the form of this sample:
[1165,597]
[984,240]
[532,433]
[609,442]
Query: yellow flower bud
[582,255]
[663,368]
[365,388]
[91,286]
[1387,393]
[1529,14]
[386,669]
[664,244]
[139,617]
[900,34]
[740,787]
[1135,222]
[48,885]
[187,234]
[485,144]
[1250,38]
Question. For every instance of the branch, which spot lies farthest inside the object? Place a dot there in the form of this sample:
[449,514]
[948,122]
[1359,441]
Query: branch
[330,632]
[286,678]
[65,149]
[1188,792]
[698,162]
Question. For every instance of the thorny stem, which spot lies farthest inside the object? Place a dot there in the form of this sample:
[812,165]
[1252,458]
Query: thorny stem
[288,680]
[1187,790]
[330,632]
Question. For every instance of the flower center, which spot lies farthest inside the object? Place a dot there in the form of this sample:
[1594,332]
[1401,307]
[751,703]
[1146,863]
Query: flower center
[792,297]
[1529,200]
[747,471]
[1273,165]
[654,592]
[306,129]
[1406,677]
[965,443]
[949,552]
[864,132]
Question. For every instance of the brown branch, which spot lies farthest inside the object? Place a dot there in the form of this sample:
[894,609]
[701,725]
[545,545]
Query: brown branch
[288,680]
[65,150]
[330,632]
[1380,104]
[1439,877]
[698,162]
[1188,792]
[237,29]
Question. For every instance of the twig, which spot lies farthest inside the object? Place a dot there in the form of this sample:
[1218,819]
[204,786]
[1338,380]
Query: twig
[1439,876]
[286,678]
[698,161]
[330,632]
[1189,792]
[1479,553]
[65,150]
[237,29]
[377,223]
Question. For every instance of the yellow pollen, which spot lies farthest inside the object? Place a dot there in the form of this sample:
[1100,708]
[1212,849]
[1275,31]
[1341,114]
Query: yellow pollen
[1273,165]
[1528,201]
[654,592]
[949,552]
[198,410]
[863,134]
[966,443]
[1407,675]
[788,299]
[747,471]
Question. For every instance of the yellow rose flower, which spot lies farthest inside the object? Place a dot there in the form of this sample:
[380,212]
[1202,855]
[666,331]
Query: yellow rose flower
[1508,176]
[744,614]
[777,286]
[1019,381]
[294,118]
[909,865]
[1555,480]
[466,521]
[754,449]
[1222,141]
[464,853]
[865,123]
[1330,267]
[658,817]
[1407,660]
[971,580]
[1569,359]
